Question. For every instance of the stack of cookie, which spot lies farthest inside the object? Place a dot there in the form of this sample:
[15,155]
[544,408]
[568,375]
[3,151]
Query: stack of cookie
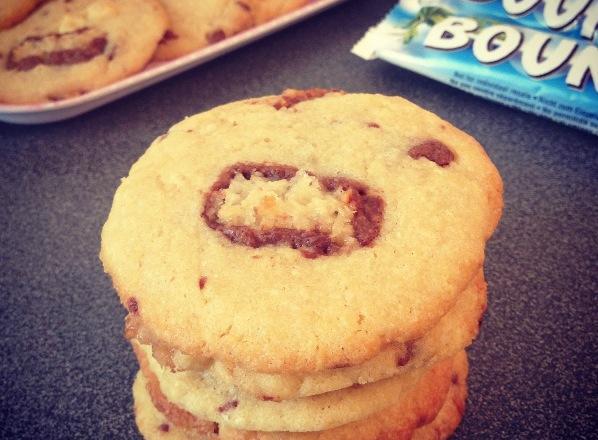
[56,49]
[303,266]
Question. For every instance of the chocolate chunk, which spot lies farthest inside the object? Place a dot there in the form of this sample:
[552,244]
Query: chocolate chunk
[270,172]
[341,365]
[132,306]
[369,209]
[27,54]
[404,358]
[433,150]
[291,97]
[215,36]
[373,125]
[455,378]
[244,6]
[366,222]
[164,427]
[422,420]
[216,429]
[202,282]
[231,404]
[168,36]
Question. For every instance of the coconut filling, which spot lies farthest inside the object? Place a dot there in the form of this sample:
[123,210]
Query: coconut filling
[298,203]
[224,404]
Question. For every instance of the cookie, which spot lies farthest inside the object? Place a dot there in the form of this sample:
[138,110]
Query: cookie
[299,286]
[451,413]
[422,405]
[13,11]
[266,10]
[196,24]
[226,405]
[454,331]
[69,47]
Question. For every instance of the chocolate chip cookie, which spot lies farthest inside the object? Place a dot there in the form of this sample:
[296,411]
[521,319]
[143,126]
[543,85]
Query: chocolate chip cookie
[416,231]
[69,47]
[196,24]
[304,266]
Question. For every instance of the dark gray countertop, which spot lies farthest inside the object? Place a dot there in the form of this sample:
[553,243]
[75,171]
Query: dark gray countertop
[66,370]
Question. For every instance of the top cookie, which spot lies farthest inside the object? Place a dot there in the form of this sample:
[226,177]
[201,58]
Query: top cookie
[300,233]
[68,47]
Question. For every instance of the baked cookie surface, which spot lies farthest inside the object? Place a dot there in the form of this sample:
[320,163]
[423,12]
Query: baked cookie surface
[13,11]
[210,400]
[434,406]
[451,334]
[300,286]
[66,48]
[198,23]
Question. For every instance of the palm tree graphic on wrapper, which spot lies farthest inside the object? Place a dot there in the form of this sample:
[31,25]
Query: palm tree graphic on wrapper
[432,15]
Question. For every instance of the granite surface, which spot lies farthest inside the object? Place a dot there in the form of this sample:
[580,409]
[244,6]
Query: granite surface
[66,370]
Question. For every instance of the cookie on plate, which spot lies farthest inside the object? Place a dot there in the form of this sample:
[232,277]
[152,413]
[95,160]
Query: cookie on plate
[69,47]
[13,11]
[195,24]
[266,10]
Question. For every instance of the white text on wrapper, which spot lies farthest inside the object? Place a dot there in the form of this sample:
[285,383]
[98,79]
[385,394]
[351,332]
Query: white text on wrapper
[497,43]
[558,14]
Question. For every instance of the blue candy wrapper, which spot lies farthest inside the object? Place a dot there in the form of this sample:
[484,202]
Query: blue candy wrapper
[539,56]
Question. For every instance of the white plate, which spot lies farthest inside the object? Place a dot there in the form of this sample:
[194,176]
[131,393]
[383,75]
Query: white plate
[154,72]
